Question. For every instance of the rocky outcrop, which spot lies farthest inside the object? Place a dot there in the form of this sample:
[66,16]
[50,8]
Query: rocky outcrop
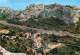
[36,6]
[5,52]
[5,9]
[5,12]
[69,14]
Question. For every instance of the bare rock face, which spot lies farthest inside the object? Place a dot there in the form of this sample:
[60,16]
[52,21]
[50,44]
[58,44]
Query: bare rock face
[5,9]
[5,52]
[5,12]
[68,14]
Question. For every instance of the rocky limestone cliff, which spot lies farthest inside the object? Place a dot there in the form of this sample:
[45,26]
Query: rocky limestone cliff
[69,14]
[5,9]
[5,12]
[5,52]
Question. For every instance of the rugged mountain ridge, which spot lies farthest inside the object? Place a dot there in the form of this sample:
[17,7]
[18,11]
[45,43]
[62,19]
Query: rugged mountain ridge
[5,12]
[69,14]
[5,9]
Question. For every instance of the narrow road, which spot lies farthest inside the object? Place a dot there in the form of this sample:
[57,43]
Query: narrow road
[72,45]
[60,33]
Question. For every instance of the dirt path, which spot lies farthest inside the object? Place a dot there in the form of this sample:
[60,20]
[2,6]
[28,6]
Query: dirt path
[60,33]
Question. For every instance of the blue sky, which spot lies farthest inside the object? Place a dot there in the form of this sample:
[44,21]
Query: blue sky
[22,4]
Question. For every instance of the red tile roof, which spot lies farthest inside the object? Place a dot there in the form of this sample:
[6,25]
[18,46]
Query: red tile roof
[38,54]
[25,33]
[11,38]
[36,34]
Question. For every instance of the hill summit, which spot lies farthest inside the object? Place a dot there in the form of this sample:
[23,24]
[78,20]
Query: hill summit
[68,14]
